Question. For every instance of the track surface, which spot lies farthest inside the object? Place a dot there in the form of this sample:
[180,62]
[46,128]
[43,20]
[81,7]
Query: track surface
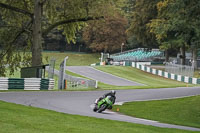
[80,103]
[103,77]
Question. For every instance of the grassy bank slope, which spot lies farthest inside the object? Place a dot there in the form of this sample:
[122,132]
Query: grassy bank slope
[75,59]
[22,119]
[150,80]
[183,111]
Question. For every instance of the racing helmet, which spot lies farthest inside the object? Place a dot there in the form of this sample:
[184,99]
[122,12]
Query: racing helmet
[113,92]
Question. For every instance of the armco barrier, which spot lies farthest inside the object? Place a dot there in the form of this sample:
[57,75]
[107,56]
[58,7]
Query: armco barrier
[181,78]
[26,83]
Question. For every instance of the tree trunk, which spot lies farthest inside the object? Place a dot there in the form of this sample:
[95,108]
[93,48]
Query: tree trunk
[182,55]
[166,55]
[194,62]
[37,35]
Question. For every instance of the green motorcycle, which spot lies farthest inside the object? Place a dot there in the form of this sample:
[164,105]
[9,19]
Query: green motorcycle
[103,104]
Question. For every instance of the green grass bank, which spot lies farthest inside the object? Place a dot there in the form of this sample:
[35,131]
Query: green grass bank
[181,111]
[75,59]
[133,74]
[26,119]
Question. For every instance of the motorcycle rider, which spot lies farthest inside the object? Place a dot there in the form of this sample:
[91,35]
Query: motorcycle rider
[111,93]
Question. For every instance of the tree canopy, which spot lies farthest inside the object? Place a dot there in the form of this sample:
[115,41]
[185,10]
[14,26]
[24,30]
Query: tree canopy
[177,24]
[142,13]
[166,23]
[106,35]
[105,23]
[24,23]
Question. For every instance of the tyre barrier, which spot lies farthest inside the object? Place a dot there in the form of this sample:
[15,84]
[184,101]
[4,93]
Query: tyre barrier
[26,83]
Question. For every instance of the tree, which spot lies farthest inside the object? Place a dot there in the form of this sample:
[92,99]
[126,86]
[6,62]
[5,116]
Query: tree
[177,25]
[143,12]
[129,8]
[132,43]
[28,21]
[107,35]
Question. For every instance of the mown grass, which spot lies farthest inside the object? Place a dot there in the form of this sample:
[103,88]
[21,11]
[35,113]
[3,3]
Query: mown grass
[150,80]
[22,119]
[182,111]
[75,74]
[197,74]
[75,59]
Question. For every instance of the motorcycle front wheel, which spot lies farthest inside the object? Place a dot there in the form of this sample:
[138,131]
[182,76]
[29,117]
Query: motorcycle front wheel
[102,108]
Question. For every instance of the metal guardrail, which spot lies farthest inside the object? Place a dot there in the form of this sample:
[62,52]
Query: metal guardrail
[77,82]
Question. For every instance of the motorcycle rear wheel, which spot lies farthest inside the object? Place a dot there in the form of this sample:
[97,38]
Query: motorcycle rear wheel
[95,108]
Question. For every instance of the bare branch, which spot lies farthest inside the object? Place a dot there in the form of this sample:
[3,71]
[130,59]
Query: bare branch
[46,31]
[8,26]
[2,5]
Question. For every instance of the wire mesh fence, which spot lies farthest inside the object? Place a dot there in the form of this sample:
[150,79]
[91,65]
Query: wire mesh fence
[67,81]
[72,82]
[183,70]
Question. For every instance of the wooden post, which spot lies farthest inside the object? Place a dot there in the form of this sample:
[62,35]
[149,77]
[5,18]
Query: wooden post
[65,84]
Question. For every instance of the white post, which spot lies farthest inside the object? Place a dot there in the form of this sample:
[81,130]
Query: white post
[62,74]
[108,55]
[96,84]
[101,57]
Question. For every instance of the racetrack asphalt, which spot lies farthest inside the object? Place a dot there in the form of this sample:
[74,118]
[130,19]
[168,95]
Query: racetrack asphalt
[80,102]
[101,76]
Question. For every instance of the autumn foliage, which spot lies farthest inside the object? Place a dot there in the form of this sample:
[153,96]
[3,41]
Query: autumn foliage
[106,35]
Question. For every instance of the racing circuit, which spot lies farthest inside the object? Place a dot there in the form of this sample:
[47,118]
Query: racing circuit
[101,76]
[81,102]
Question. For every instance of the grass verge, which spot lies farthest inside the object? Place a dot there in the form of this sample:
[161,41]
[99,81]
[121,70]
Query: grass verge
[182,111]
[150,80]
[74,59]
[22,119]
[122,72]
